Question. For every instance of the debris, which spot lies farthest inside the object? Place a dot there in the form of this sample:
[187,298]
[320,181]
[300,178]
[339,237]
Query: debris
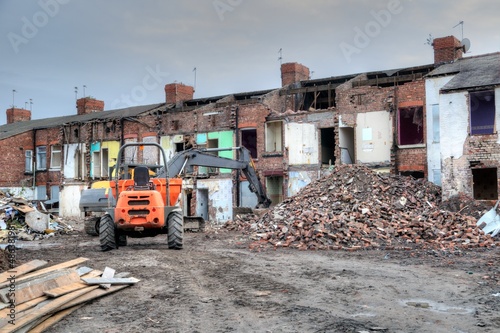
[35,310]
[490,221]
[113,280]
[28,223]
[356,208]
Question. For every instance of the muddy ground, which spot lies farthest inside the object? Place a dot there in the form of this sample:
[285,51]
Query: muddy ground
[216,284]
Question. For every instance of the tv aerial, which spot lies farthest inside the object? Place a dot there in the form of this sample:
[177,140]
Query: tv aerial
[465,43]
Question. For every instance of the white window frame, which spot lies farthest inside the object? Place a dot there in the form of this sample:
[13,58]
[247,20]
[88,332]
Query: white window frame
[28,161]
[41,158]
[55,155]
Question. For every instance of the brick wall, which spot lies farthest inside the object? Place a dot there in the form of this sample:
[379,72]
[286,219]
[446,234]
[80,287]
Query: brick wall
[15,115]
[293,72]
[361,99]
[446,49]
[410,159]
[178,92]
[12,152]
[88,105]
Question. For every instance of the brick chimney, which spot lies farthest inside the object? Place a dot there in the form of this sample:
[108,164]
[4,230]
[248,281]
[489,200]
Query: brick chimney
[292,72]
[15,115]
[87,105]
[176,93]
[447,49]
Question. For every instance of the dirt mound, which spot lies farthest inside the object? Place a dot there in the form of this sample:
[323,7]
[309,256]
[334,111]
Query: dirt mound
[355,208]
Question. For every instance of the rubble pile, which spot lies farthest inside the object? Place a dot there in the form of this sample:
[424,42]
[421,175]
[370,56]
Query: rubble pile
[355,208]
[19,216]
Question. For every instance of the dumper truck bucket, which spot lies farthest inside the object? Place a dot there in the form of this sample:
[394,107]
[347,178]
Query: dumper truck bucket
[490,221]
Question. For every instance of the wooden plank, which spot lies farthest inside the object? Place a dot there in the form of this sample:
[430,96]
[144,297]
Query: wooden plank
[63,290]
[50,320]
[130,280]
[23,269]
[46,309]
[108,273]
[23,307]
[4,292]
[96,293]
[37,273]
[36,288]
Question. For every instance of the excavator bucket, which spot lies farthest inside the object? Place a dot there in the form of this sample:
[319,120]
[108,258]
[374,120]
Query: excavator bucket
[490,221]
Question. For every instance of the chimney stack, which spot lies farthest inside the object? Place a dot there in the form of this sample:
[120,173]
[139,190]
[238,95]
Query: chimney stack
[176,93]
[15,115]
[87,105]
[447,49]
[292,72]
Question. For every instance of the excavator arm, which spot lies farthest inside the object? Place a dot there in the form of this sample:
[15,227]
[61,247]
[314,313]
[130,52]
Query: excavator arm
[184,161]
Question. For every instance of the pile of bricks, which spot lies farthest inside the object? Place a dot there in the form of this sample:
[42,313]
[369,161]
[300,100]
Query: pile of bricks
[356,208]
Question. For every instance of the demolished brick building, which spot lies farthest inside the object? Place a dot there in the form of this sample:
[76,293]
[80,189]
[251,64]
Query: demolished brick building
[386,120]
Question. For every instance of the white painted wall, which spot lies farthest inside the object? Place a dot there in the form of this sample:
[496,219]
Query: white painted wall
[454,112]
[454,127]
[220,198]
[69,197]
[373,137]
[432,87]
[302,143]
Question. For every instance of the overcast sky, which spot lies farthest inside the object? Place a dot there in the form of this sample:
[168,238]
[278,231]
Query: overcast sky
[125,51]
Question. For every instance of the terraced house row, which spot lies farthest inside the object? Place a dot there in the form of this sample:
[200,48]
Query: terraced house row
[435,121]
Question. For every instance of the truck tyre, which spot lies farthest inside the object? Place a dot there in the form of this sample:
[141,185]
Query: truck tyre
[175,230]
[107,233]
[121,240]
[91,226]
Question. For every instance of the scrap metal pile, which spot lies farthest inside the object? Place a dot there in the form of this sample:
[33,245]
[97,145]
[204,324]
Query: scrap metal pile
[355,208]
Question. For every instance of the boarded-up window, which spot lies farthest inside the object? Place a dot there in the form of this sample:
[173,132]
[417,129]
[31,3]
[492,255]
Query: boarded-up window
[411,125]
[482,112]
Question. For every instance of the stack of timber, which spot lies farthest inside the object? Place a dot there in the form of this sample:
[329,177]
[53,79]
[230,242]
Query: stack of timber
[33,297]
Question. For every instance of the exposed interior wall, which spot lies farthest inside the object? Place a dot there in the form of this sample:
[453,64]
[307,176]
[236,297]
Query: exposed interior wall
[247,197]
[347,147]
[433,120]
[301,140]
[220,198]
[374,137]
[166,142]
[298,180]
[70,163]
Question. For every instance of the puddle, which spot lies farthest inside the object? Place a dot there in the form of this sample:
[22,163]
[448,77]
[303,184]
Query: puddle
[436,307]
